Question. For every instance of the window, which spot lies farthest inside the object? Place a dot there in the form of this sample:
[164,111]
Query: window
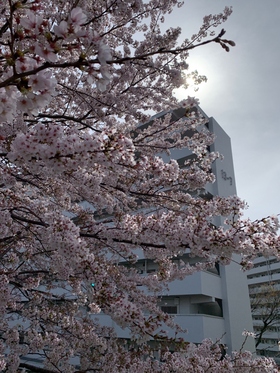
[169,309]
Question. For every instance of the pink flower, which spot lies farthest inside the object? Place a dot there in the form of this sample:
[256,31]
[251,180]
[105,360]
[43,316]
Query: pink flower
[105,72]
[31,21]
[104,53]
[46,52]
[25,104]
[61,30]
[37,82]
[25,64]
[77,17]
[101,85]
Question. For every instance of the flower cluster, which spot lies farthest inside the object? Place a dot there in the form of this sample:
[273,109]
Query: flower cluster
[86,189]
[44,44]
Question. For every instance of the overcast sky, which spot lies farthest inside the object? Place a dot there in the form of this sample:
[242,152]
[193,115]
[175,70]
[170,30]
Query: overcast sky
[242,92]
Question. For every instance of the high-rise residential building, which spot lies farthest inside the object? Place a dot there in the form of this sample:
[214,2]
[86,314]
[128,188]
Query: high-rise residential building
[208,304]
[264,291]
[214,303]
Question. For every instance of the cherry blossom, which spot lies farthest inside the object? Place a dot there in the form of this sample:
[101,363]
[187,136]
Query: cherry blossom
[31,22]
[85,190]
[46,52]
[62,29]
[104,53]
[25,104]
[77,17]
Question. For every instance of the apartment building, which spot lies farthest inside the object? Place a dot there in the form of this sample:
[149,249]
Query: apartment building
[264,291]
[209,304]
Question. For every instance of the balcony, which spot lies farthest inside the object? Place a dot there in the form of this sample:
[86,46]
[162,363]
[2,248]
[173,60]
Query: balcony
[264,278]
[205,283]
[198,327]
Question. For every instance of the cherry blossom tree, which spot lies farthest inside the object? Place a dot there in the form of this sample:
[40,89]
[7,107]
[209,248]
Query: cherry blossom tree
[83,187]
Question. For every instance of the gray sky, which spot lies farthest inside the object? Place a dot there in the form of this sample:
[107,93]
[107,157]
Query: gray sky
[242,92]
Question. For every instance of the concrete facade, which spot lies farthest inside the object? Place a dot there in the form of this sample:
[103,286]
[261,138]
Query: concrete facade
[210,304]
